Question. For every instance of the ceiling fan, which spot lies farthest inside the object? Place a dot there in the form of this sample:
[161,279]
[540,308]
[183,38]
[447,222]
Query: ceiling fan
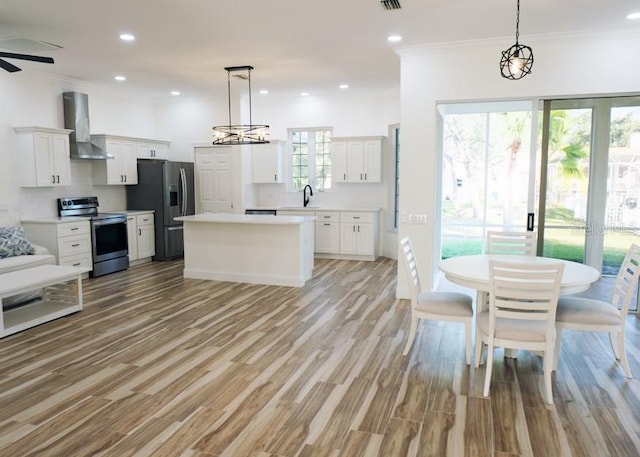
[10,55]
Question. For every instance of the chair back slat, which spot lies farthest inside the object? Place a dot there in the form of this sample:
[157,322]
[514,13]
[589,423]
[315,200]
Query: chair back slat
[627,280]
[411,267]
[514,243]
[524,291]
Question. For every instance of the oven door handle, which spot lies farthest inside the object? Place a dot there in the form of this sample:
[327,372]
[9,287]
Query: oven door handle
[108,222]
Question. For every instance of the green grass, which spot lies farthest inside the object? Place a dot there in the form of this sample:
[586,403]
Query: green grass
[560,247]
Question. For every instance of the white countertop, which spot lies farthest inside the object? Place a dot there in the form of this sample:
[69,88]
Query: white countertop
[227,218]
[315,208]
[55,220]
[133,212]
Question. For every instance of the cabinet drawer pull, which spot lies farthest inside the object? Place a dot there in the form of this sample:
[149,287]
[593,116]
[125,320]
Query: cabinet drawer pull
[327,225]
[139,232]
[356,217]
[75,245]
[73,229]
[77,264]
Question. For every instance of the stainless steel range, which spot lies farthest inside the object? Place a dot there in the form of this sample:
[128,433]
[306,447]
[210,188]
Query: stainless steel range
[108,233]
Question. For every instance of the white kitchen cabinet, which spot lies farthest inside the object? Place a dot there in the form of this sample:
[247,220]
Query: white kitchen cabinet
[141,236]
[146,236]
[359,234]
[132,238]
[44,159]
[327,232]
[266,162]
[123,168]
[70,242]
[357,159]
[342,234]
[148,149]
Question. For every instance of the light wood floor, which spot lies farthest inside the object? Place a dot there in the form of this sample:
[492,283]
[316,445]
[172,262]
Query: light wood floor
[156,365]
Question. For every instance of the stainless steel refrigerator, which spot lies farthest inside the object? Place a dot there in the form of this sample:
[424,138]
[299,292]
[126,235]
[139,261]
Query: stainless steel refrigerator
[168,189]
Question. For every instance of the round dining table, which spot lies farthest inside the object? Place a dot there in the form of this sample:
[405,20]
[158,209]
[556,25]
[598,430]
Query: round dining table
[473,271]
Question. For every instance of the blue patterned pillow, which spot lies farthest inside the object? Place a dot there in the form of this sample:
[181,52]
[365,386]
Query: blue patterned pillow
[13,242]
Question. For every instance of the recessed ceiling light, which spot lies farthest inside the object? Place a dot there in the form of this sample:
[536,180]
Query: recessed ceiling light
[127,37]
[175,92]
[394,38]
[305,94]
[633,15]
[344,86]
[120,78]
[264,91]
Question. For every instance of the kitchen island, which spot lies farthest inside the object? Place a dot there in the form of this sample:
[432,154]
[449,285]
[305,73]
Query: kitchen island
[249,248]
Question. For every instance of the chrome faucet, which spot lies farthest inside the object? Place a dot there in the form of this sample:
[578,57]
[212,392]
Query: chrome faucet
[305,198]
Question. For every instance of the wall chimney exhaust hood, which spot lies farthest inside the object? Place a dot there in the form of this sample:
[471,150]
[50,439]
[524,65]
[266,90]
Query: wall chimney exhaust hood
[76,118]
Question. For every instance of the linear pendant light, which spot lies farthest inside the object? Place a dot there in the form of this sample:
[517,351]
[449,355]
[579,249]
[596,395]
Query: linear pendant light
[240,133]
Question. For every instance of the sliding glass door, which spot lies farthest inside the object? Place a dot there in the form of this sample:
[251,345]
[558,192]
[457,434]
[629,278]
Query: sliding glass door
[590,189]
[486,172]
[582,182]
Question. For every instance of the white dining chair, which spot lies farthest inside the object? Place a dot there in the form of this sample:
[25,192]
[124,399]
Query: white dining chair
[511,242]
[586,314]
[522,310]
[435,305]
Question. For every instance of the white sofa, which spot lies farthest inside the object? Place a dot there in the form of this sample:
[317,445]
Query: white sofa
[7,264]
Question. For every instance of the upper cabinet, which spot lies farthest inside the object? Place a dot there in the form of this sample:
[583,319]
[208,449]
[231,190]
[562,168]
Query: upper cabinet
[357,159]
[266,162]
[149,149]
[43,157]
[123,168]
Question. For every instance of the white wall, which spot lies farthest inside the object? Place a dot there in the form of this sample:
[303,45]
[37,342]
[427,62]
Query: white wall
[187,122]
[35,99]
[567,65]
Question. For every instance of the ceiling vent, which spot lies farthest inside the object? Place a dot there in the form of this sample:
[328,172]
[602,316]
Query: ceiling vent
[390,4]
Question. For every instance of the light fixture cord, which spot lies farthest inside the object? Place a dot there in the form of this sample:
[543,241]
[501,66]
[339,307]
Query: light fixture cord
[517,22]
[250,116]
[229,95]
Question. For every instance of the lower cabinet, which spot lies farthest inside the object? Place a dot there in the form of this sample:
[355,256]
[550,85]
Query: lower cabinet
[357,234]
[70,242]
[327,232]
[343,234]
[141,237]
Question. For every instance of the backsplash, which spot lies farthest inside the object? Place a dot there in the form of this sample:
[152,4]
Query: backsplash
[37,202]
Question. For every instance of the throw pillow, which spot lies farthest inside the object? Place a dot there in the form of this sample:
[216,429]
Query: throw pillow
[13,242]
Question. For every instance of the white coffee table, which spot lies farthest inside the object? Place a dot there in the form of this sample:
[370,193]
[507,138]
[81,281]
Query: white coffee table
[60,298]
